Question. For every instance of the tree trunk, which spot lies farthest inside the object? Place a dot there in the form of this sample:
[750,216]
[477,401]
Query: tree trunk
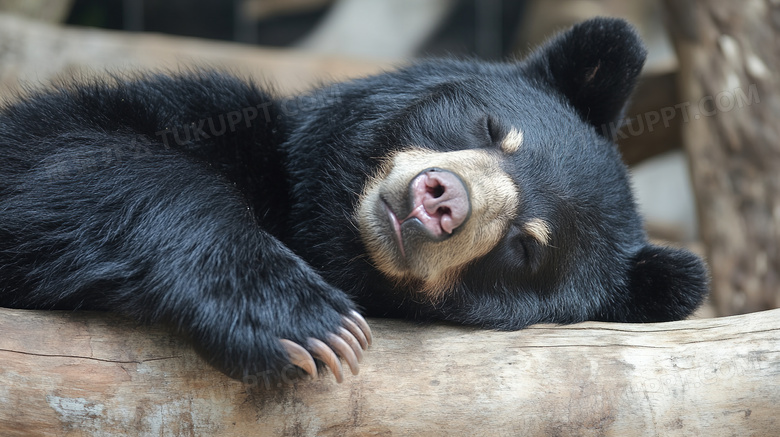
[66,373]
[729,55]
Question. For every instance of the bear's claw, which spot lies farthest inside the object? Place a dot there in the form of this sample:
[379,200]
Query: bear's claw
[345,351]
[363,325]
[321,351]
[352,341]
[300,357]
[355,330]
[353,336]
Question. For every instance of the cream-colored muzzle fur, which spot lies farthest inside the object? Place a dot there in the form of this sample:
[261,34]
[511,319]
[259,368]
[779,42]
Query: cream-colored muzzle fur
[436,265]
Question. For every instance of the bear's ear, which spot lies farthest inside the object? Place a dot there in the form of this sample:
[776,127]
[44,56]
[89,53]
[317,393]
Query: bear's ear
[595,65]
[664,284]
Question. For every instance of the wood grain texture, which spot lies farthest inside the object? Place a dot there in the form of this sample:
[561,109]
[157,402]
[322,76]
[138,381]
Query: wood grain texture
[729,58]
[94,374]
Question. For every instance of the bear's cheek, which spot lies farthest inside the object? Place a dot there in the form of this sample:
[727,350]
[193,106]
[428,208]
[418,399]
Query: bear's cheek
[410,240]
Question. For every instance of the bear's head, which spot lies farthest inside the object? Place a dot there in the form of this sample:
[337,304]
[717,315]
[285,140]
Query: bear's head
[495,197]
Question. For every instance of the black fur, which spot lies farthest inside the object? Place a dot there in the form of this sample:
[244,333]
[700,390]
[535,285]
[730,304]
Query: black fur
[126,195]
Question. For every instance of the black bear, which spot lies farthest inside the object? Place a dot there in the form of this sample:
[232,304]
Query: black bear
[471,192]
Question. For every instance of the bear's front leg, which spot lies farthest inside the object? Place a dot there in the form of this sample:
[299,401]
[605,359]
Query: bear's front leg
[270,308]
[164,238]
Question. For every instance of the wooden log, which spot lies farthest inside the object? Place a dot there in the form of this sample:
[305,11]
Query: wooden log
[34,53]
[69,373]
[729,57]
[54,11]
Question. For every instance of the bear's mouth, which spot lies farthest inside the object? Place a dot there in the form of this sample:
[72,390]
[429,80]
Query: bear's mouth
[396,225]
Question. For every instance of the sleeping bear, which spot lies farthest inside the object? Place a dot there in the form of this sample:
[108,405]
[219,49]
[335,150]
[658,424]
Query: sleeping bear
[261,227]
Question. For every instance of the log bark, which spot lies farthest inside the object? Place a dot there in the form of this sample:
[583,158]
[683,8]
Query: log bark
[66,373]
[729,57]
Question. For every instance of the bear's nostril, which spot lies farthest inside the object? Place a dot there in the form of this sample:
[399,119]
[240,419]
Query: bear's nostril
[433,186]
[436,191]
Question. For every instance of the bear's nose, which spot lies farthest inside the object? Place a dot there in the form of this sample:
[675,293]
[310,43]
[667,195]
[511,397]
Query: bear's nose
[440,201]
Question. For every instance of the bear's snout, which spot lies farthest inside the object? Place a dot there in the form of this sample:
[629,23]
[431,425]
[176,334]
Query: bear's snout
[425,215]
[439,203]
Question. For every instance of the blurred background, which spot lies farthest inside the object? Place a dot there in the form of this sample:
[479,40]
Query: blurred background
[701,137]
